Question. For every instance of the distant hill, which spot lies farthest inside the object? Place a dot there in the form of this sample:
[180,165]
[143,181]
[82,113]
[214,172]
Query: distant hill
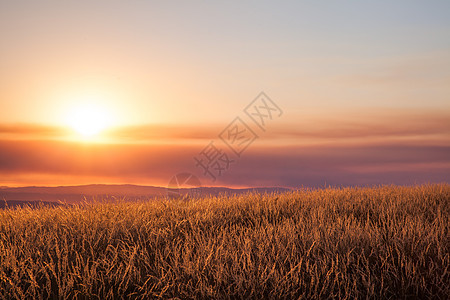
[78,194]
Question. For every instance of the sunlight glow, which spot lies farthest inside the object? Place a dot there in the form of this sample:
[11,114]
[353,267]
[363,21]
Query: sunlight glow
[89,119]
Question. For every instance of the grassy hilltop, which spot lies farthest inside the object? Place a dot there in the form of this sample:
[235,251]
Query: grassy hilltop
[383,242]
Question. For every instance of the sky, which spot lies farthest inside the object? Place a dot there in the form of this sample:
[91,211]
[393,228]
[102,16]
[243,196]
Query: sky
[354,92]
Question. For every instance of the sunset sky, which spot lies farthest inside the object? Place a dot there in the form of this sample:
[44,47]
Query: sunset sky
[355,93]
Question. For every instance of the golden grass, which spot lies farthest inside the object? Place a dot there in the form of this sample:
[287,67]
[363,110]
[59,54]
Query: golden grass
[383,242]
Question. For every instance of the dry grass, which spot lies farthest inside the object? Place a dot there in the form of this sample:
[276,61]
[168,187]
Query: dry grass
[384,242]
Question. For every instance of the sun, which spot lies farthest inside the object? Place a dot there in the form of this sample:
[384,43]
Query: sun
[88,119]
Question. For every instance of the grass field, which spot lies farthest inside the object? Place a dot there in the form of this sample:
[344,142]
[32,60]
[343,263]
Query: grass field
[382,242]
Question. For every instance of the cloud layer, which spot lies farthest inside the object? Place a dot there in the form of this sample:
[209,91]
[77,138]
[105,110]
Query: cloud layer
[353,149]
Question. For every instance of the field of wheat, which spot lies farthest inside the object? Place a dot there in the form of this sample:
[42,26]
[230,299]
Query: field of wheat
[381,242]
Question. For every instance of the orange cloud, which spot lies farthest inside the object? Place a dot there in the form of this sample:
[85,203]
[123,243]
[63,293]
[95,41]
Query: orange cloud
[387,147]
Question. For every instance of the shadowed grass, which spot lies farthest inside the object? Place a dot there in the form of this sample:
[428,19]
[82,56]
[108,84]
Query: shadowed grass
[384,242]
